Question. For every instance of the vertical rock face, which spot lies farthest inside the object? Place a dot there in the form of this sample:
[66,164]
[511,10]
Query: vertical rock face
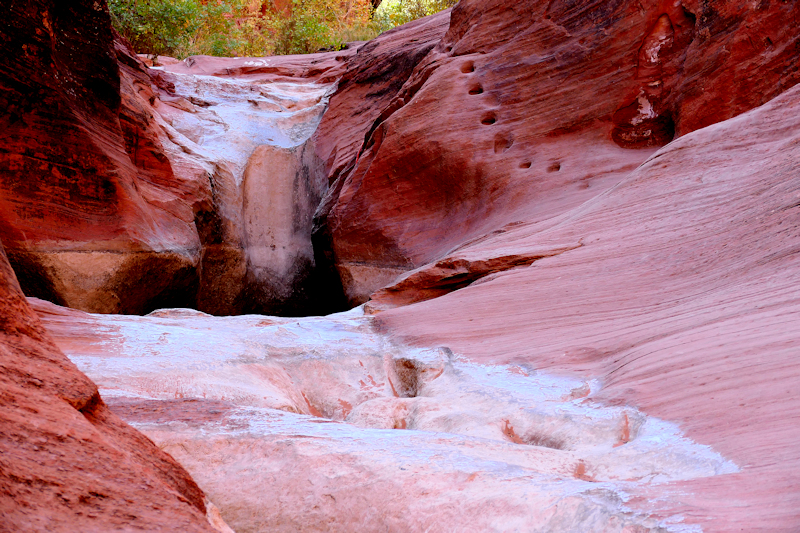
[519,114]
[281,193]
[121,195]
[90,207]
[66,462]
[248,123]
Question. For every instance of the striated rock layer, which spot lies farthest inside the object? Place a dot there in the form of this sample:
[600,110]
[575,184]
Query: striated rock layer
[90,206]
[677,289]
[67,463]
[520,113]
[126,189]
[322,424]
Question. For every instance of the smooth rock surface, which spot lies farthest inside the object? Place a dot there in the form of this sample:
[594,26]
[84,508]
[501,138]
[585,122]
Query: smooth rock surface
[682,299]
[321,424]
[521,113]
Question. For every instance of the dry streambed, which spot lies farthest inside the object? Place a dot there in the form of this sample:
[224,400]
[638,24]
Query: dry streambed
[323,424]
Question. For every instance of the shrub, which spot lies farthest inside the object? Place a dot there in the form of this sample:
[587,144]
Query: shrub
[157,27]
[391,13]
[322,24]
[180,28]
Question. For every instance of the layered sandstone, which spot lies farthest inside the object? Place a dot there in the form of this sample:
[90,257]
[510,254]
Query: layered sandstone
[518,115]
[679,293]
[247,127]
[578,327]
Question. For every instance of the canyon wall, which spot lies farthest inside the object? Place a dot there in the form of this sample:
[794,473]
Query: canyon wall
[130,189]
[677,289]
[574,225]
[121,195]
[91,208]
[67,462]
[521,113]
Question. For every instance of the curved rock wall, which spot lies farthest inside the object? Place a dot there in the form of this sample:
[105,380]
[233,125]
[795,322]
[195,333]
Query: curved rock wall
[519,114]
[495,179]
[124,187]
[66,462]
[680,294]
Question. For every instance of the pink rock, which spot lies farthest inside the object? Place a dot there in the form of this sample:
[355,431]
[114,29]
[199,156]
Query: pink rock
[67,463]
[353,431]
[681,300]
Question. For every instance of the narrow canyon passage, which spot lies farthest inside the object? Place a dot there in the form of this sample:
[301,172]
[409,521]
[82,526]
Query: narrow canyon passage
[527,267]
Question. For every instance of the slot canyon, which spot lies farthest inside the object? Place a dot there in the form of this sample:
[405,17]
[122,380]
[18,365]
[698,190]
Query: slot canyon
[523,267]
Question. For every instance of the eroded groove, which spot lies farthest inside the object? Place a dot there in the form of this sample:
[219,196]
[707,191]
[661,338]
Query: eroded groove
[451,274]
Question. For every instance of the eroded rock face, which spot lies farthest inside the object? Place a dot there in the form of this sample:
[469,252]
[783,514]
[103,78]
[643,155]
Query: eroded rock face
[682,298]
[249,126]
[90,207]
[518,115]
[123,188]
[355,432]
[67,463]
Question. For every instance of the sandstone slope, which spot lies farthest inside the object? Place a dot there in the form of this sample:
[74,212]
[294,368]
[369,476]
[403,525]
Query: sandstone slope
[678,290]
[522,112]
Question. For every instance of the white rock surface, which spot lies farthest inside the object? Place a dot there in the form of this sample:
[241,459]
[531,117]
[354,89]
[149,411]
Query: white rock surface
[321,424]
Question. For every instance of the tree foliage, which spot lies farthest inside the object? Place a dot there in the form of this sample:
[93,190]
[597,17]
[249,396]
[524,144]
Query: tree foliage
[180,28]
[393,13]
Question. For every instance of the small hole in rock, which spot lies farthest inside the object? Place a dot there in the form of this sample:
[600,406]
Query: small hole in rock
[555,167]
[525,164]
[502,143]
[468,67]
[476,89]
[488,119]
